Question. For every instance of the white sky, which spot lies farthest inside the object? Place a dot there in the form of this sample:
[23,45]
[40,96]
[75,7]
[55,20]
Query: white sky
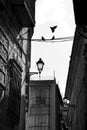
[56,56]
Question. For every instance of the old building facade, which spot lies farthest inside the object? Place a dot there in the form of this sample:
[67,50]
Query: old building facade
[76,87]
[17,21]
[44,106]
[76,90]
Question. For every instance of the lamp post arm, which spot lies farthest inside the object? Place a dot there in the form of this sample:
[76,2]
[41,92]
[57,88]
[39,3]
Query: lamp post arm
[32,73]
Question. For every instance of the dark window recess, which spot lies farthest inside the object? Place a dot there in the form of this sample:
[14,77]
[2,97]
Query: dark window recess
[85,50]
[1,6]
[13,111]
[40,100]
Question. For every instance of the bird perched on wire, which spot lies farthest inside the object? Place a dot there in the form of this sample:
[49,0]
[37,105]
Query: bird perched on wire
[53,38]
[43,38]
[53,28]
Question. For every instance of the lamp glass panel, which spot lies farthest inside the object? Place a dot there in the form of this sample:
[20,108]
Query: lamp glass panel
[40,66]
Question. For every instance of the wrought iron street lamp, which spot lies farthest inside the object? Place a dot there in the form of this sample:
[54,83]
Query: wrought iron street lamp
[40,65]
[68,103]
